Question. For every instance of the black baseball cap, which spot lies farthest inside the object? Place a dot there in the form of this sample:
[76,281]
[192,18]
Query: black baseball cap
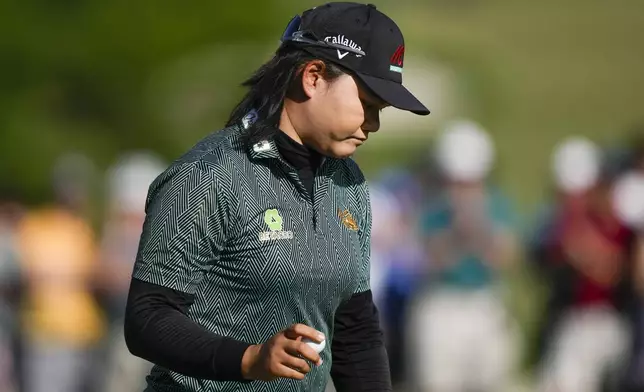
[361,39]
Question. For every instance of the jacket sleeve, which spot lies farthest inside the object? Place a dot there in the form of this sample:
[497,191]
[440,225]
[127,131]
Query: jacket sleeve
[158,329]
[360,361]
[183,234]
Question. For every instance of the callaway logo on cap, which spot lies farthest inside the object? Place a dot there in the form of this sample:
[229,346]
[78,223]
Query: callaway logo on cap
[361,39]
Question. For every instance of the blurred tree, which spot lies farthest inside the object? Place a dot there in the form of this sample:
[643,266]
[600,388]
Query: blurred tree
[102,77]
[73,74]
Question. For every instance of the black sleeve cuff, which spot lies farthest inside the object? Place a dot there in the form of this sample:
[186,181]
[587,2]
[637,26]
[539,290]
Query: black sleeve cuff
[228,360]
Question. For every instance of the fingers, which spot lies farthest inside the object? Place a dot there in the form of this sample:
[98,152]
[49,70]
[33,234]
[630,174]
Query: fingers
[284,371]
[297,348]
[285,355]
[287,366]
[297,364]
[301,330]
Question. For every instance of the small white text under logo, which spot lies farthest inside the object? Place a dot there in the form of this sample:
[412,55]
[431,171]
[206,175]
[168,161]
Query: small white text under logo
[275,235]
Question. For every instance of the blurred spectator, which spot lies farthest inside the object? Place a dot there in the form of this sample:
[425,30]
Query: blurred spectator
[128,182]
[635,378]
[398,258]
[10,213]
[462,338]
[628,200]
[386,220]
[62,323]
[584,252]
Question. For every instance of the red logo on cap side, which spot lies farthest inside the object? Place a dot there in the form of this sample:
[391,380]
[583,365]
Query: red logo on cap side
[398,56]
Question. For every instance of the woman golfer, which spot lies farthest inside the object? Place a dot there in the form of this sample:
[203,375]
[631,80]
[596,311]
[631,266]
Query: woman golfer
[255,248]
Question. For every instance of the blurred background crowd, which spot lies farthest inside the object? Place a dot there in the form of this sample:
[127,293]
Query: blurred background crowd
[508,226]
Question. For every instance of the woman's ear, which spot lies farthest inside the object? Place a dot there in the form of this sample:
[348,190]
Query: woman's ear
[313,78]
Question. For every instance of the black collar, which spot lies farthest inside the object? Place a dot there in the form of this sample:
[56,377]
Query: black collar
[296,154]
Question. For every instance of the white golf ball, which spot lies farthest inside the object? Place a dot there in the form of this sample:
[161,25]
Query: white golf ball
[318,347]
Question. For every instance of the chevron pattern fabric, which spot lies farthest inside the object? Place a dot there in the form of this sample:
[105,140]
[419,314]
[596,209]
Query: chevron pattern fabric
[235,227]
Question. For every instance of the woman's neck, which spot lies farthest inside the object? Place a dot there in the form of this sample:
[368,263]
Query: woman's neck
[286,126]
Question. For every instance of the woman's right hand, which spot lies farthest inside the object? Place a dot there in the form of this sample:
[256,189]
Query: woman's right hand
[282,356]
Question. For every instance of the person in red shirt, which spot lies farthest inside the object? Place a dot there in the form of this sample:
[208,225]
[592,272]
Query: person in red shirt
[586,253]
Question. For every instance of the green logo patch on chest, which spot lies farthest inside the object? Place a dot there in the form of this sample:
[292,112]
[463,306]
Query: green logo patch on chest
[273,219]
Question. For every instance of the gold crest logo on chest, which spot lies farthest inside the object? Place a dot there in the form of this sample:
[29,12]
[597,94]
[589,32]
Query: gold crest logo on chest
[347,220]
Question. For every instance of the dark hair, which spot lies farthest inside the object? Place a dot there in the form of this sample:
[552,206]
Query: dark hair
[274,81]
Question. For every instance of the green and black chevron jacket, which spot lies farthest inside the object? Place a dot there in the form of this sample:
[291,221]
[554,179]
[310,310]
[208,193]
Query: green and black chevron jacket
[234,226]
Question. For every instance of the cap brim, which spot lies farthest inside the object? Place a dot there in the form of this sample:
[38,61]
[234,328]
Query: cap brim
[395,94]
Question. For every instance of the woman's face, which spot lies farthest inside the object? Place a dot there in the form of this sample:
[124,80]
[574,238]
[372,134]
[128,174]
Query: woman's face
[338,115]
